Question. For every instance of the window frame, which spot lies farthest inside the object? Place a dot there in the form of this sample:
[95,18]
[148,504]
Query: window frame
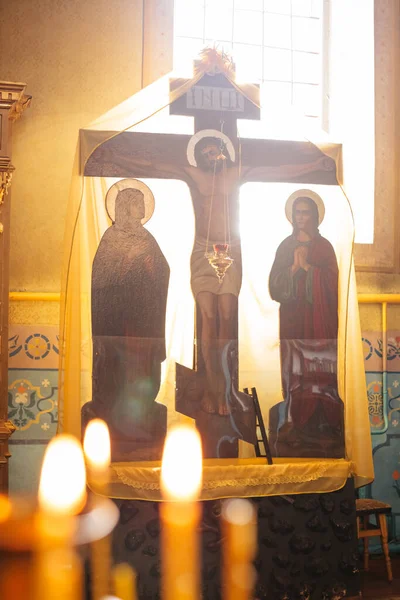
[322,118]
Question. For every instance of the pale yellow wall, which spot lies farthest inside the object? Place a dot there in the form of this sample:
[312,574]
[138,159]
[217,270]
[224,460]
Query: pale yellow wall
[371,314]
[385,250]
[79,58]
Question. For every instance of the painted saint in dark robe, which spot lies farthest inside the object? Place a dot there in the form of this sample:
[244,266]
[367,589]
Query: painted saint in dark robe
[130,278]
[304,280]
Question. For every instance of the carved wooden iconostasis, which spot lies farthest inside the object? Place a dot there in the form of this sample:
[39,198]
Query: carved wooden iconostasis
[172,309]
[13,102]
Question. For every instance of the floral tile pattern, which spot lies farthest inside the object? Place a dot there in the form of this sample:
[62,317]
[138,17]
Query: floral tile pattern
[384,414]
[32,403]
[384,410]
[33,347]
[373,351]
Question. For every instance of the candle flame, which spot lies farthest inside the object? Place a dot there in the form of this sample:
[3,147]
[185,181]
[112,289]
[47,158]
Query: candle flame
[181,470]
[96,445]
[62,488]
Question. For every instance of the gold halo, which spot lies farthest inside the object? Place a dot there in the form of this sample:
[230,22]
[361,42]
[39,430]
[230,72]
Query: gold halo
[135,184]
[194,140]
[307,194]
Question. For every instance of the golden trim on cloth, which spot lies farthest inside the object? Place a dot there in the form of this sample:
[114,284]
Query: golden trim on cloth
[229,478]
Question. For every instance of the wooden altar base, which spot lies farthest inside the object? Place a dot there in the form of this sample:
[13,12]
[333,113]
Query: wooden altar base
[307,546]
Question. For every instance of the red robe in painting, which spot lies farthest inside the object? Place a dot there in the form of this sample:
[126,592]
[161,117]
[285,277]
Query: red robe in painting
[308,330]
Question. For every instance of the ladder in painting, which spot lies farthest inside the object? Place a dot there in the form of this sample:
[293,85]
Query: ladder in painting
[261,446]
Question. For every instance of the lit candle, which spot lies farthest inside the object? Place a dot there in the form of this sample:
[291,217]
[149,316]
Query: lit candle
[181,479]
[97,450]
[62,495]
[124,579]
[62,488]
[239,527]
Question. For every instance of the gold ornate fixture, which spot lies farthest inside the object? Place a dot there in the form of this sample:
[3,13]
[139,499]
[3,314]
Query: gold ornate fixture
[213,61]
[18,107]
[5,182]
[13,99]
[220,260]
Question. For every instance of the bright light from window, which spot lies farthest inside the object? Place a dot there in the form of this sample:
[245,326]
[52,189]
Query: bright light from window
[274,42]
[286,47]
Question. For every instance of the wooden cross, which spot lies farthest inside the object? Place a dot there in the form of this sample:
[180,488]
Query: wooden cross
[215,103]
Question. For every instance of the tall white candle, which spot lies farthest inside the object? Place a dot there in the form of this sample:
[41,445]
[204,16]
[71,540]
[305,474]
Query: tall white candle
[62,494]
[180,513]
[97,450]
[239,527]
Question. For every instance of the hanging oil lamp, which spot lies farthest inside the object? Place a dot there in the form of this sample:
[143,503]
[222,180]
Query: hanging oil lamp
[220,260]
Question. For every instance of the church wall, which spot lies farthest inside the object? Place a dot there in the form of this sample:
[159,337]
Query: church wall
[378,263]
[383,394]
[378,283]
[383,255]
[78,59]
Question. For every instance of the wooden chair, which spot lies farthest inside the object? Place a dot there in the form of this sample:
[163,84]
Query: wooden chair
[365,507]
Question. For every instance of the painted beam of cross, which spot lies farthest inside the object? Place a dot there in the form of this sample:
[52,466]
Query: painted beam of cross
[215,104]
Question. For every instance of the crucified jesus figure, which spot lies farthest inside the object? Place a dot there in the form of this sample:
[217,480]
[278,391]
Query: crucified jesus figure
[214,179]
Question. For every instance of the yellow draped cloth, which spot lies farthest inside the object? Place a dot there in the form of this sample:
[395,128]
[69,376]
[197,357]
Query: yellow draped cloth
[263,227]
[227,478]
